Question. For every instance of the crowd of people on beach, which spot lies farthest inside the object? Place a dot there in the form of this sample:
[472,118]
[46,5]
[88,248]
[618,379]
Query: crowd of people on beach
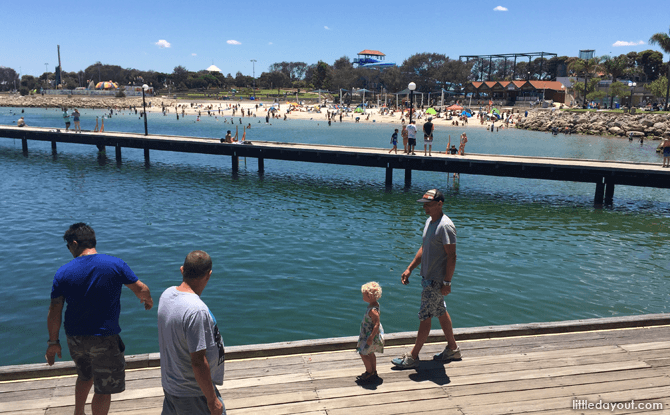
[192,355]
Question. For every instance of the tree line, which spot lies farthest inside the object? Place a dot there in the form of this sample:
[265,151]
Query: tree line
[430,72]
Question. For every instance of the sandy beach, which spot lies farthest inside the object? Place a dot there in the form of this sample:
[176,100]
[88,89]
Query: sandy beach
[260,109]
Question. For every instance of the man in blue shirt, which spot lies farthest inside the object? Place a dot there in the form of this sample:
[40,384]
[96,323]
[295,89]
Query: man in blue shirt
[91,285]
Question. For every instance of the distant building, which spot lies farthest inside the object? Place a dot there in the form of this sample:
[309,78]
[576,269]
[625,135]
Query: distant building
[587,54]
[372,59]
[213,68]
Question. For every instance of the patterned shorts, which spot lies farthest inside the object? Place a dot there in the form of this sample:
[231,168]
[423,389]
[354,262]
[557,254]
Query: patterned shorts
[432,300]
[100,358]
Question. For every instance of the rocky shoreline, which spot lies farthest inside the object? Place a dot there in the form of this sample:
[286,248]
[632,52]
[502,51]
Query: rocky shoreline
[74,101]
[652,126]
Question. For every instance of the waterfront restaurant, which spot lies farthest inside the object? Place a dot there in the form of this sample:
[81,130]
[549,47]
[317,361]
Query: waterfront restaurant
[513,91]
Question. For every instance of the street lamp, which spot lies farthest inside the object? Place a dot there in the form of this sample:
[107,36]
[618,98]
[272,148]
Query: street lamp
[253,68]
[632,85]
[145,88]
[412,87]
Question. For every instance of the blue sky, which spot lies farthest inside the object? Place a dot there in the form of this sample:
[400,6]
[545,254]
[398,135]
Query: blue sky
[151,35]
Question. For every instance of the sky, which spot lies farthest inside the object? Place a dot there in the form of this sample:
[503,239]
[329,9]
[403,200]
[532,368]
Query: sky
[153,35]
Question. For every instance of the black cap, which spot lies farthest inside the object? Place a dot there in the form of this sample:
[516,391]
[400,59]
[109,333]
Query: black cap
[432,195]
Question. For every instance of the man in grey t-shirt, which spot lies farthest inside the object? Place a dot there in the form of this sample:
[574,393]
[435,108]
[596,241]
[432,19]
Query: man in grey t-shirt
[437,256]
[191,348]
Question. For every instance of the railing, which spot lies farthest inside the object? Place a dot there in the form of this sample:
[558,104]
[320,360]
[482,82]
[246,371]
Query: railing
[92,92]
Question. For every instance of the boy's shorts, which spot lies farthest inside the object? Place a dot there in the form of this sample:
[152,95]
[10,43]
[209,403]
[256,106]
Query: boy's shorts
[100,358]
[432,300]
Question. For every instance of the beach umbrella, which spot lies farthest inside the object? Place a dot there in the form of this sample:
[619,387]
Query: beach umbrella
[431,111]
[106,85]
[359,110]
[454,107]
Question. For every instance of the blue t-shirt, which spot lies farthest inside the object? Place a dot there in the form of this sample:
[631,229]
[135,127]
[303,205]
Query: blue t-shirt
[91,286]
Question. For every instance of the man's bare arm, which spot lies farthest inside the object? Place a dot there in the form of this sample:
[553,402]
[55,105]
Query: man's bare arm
[142,292]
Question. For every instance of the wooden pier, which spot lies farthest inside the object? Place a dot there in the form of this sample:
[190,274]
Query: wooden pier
[544,368]
[604,174]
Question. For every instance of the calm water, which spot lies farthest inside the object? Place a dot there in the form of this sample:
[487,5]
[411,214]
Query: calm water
[292,249]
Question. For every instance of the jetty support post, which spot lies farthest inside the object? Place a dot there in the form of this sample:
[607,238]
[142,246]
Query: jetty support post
[600,192]
[261,166]
[147,161]
[118,153]
[236,163]
[54,150]
[24,146]
[609,192]
[389,176]
[408,177]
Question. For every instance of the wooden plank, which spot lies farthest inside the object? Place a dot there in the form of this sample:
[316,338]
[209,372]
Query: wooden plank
[646,346]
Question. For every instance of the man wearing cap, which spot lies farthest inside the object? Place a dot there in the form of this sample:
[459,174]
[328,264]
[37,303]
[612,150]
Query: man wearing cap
[437,256]
[411,137]
[428,136]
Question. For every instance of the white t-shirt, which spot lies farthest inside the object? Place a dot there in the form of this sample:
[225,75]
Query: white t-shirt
[185,326]
[411,131]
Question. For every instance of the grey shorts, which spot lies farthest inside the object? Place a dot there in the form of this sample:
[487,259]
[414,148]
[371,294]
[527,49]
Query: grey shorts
[432,300]
[100,358]
[197,405]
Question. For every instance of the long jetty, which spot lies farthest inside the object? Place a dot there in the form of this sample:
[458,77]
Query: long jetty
[604,174]
[565,367]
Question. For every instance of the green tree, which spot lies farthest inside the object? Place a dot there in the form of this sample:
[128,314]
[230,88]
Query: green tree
[321,77]
[659,88]
[618,89]
[614,68]
[663,41]
[651,63]
[588,69]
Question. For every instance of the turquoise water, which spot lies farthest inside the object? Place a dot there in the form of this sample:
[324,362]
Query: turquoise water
[291,249]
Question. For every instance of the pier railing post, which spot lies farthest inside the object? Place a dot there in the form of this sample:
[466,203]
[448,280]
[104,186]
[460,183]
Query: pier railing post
[236,163]
[609,192]
[600,191]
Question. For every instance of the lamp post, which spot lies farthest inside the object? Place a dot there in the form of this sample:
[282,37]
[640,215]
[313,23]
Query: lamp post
[253,68]
[412,87]
[632,86]
[145,87]
[586,77]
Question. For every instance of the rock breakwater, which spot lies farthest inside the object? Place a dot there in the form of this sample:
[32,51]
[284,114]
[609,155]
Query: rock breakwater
[74,101]
[652,126]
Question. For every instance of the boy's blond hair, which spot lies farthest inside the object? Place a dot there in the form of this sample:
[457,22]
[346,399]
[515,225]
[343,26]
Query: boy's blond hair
[373,288]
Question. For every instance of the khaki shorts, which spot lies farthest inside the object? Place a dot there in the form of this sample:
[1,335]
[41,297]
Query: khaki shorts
[100,358]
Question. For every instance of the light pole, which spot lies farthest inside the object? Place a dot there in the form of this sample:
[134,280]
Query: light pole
[586,77]
[412,87]
[253,68]
[632,86]
[145,87]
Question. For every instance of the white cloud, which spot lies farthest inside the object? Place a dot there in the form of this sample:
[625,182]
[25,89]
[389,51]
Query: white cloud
[500,9]
[269,43]
[327,28]
[194,54]
[623,43]
[233,42]
[163,43]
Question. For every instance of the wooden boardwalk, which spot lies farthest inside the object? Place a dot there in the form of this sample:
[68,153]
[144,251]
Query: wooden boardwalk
[537,374]
[604,174]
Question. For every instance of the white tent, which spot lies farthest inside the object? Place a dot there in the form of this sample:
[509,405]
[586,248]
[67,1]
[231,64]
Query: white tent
[213,68]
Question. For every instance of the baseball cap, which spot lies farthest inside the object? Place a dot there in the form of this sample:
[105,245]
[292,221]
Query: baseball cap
[432,195]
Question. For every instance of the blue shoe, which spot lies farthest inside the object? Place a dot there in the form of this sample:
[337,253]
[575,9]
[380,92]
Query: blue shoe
[406,361]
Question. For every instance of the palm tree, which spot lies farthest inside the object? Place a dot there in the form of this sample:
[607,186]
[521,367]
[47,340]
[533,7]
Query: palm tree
[589,67]
[663,40]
